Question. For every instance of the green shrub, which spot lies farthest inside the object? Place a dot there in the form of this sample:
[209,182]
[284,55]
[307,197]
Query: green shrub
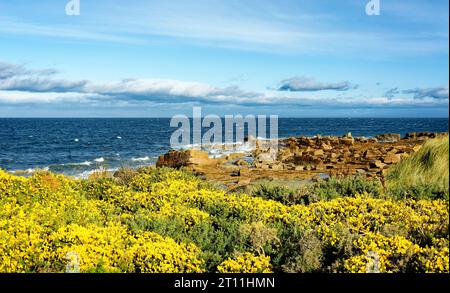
[301,251]
[349,186]
[321,190]
[274,191]
[125,175]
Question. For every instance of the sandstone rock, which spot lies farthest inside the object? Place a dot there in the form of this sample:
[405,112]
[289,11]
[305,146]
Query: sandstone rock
[393,151]
[309,150]
[284,155]
[305,141]
[318,153]
[392,158]
[404,155]
[234,173]
[377,164]
[319,166]
[289,167]
[422,135]
[241,163]
[346,141]
[244,172]
[299,168]
[389,137]
[277,167]
[264,166]
[368,154]
[265,157]
[326,147]
[177,159]
[234,156]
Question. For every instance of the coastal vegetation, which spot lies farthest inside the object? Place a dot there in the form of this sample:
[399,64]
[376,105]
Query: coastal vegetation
[166,220]
[424,175]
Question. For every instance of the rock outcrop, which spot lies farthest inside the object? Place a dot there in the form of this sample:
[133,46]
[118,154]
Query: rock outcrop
[302,158]
[178,159]
[388,137]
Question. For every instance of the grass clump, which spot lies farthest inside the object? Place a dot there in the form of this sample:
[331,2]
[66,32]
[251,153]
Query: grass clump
[423,175]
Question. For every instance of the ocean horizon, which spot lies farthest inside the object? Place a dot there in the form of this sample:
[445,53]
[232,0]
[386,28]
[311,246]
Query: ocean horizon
[79,146]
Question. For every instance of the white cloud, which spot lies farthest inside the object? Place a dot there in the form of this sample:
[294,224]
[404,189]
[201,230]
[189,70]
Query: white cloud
[20,85]
[23,97]
[309,84]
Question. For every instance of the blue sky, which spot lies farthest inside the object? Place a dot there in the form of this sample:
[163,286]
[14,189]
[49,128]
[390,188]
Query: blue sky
[300,58]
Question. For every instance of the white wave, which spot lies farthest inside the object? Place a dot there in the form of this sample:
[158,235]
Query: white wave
[119,137]
[85,163]
[143,159]
[99,160]
[76,140]
[86,174]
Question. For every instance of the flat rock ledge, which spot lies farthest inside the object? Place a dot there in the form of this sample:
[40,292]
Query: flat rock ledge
[302,158]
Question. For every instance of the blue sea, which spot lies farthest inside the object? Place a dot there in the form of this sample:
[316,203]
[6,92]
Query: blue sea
[78,146]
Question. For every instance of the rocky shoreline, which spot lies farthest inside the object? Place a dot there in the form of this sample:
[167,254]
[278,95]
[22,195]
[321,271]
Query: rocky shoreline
[302,158]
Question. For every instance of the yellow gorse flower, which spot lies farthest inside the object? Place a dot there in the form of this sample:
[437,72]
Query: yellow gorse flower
[46,216]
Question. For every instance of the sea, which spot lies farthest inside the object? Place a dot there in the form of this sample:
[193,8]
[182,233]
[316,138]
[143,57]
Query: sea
[79,146]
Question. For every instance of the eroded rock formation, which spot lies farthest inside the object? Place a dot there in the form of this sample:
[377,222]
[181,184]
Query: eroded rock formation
[302,158]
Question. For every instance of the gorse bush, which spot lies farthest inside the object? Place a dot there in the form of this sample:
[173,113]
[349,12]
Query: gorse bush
[321,190]
[163,220]
[273,191]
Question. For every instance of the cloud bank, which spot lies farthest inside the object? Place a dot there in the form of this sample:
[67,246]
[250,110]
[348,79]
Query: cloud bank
[20,85]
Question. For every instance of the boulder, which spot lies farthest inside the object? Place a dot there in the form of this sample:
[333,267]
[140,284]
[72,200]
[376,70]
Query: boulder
[268,155]
[377,164]
[244,172]
[392,158]
[421,135]
[388,137]
[348,135]
[326,147]
[393,151]
[241,162]
[318,153]
[234,156]
[370,153]
[277,167]
[346,141]
[334,155]
[178,159]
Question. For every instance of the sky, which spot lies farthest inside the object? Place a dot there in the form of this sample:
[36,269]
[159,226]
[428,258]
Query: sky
[292,58]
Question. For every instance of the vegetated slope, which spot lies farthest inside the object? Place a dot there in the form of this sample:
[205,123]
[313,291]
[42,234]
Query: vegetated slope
[164,220]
